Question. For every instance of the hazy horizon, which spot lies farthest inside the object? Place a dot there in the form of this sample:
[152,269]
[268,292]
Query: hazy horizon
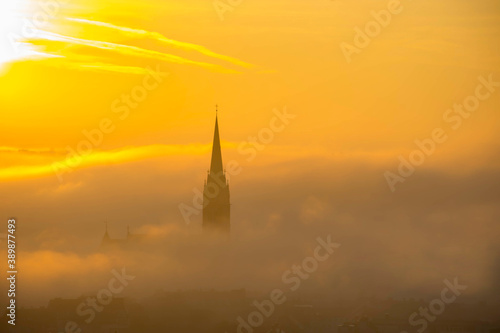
[368,148]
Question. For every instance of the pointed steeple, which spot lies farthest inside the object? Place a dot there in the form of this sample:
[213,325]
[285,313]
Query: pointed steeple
[216,163]
[216,204]
[106,237]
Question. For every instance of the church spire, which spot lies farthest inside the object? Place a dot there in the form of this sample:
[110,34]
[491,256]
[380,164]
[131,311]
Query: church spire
[216,205]
[105,239]
[216,163]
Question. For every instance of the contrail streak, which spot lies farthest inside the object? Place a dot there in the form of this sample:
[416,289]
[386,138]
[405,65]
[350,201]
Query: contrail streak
[96,66]
[159,37]
[133,51]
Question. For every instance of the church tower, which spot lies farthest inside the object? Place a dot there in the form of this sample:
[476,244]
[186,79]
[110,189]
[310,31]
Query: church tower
[216,207]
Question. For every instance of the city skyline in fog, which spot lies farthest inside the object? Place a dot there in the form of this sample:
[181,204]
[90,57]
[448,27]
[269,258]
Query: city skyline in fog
[372,123]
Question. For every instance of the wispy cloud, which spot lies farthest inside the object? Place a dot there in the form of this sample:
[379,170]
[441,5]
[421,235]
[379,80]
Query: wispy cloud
[58,160]
[128,50]
[49,151]
[67,62]
[161,38]
[117,156]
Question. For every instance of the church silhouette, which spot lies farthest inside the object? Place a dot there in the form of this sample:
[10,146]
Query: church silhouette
[216,204]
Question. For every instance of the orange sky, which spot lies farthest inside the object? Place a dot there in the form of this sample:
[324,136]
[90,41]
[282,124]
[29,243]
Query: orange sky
[352,120]
[261,56]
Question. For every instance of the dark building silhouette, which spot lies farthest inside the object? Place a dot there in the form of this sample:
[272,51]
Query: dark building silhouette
[216,206]
[129,242]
